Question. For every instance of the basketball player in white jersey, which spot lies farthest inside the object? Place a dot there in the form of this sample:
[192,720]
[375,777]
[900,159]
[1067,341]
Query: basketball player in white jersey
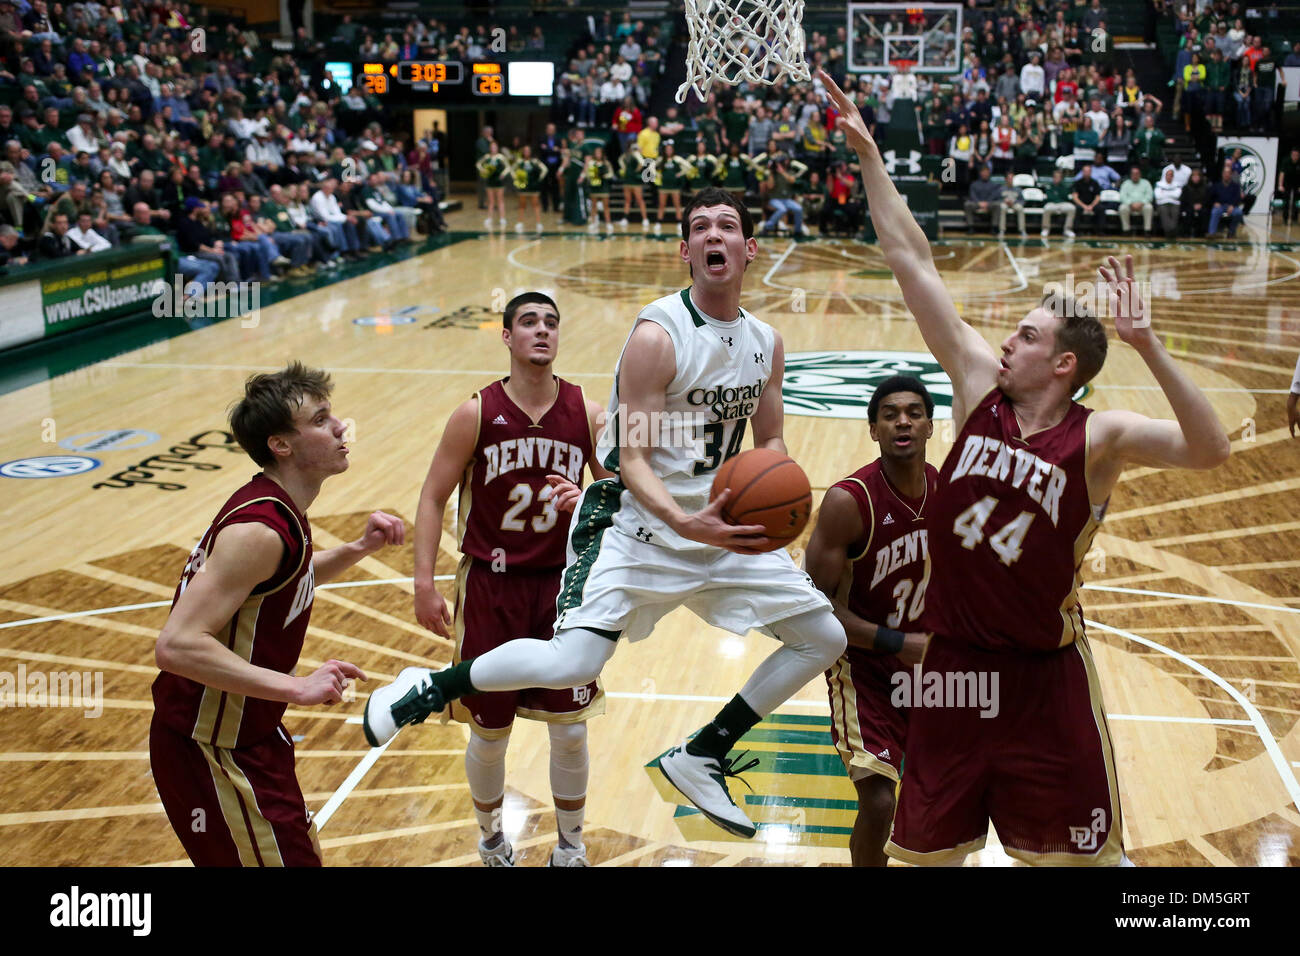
[648,540]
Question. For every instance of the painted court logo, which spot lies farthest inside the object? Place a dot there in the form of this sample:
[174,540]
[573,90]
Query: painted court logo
[839,384]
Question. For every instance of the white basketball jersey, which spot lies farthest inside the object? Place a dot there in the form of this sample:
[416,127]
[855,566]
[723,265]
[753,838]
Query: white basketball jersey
[722,369]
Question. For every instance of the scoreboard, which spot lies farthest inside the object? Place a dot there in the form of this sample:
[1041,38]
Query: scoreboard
[440,82]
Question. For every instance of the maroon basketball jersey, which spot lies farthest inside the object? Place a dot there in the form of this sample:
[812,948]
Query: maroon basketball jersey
[267,630]
[1009,527]
[505,508]
[887,578]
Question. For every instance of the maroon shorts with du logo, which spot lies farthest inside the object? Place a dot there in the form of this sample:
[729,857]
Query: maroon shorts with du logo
[493,607]
[1040,765]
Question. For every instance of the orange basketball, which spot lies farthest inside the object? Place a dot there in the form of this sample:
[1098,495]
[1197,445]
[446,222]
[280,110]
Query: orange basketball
[767,488]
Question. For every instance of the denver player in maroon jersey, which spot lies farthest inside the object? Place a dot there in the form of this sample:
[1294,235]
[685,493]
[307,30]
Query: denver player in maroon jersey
[1020,496]
[500,447]
[869,554]
[222,760]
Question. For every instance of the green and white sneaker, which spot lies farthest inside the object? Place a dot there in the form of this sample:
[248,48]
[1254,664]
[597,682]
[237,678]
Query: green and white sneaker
[569,856]
[703,781]
[503,854]
[408,700]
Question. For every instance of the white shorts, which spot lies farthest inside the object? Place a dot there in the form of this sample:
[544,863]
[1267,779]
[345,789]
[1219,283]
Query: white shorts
[619,583]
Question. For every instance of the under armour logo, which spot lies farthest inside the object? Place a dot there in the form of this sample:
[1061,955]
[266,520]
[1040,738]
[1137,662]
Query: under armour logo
[758,357]
[643,534]
[893,161]
[728,339]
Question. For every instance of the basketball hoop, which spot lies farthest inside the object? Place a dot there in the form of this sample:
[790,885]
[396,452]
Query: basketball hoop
[743,41]
[903,66]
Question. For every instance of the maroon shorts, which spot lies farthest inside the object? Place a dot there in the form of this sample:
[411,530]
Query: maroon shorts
[868,729]
[493,607]
[240,807]
[1040,766]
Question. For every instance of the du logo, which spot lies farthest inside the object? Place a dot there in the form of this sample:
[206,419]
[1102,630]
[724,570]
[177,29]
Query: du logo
[582,695]
[893,161]
[1085,838]
[303,596]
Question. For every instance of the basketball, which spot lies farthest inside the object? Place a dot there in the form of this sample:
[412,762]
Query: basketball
[767,488]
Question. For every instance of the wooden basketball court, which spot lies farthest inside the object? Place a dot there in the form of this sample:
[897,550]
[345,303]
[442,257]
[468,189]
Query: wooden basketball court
[1192,579]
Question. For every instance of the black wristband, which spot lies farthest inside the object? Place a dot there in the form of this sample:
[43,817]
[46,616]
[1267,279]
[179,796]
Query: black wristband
[888,640]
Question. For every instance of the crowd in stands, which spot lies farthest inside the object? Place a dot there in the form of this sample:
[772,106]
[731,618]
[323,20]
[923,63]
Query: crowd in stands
[132,122]
[1039,91]
[118,127]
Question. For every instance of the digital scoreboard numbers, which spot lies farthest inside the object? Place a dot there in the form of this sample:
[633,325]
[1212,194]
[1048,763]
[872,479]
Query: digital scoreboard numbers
[488,80]
[430,76]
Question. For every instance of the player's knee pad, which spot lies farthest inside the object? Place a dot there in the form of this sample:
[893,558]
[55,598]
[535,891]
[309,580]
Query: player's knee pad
[485,750]
[817,634]
[568,738]
[485,767]
[579,656]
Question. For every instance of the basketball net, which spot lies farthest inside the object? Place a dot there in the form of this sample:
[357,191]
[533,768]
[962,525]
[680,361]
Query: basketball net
[743,41]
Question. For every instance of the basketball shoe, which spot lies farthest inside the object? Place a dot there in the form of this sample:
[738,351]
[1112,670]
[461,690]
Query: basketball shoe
[703,781]
[503,854]
[407,700]
[569,856]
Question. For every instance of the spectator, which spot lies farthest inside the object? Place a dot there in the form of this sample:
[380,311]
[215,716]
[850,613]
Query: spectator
[1194,205]
[1058,200]
[1136,195]
[1168,197]
[960,150]
[1032,77]
[784,190]
[55,243]
[1182,172]
[1086,195]
[85,236]
[329,214]
[1013,200]
[1266,79]
[1225,202]
[9,244]
[1288,183]
[759,134]
[985,196]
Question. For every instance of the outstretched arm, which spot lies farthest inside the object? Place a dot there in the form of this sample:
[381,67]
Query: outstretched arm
[970,361]
[1195,440]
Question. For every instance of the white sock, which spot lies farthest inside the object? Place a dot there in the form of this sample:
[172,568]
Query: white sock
[485,769]
[570,768]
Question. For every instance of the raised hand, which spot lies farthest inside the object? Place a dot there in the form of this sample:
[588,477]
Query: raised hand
[1132,320]
[855,130]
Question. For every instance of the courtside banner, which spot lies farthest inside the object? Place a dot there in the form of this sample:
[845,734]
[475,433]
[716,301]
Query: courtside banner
[1258,168]
[98,293]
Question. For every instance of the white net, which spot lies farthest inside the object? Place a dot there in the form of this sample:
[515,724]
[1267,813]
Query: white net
[743,41]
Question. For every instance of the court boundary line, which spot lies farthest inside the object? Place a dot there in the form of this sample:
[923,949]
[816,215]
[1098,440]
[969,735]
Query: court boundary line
[1289,780]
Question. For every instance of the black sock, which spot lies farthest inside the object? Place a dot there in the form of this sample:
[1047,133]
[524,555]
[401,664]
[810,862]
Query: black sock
[454,681]
[722,733]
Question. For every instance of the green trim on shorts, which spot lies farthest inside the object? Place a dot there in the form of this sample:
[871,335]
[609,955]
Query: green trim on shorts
[599,506]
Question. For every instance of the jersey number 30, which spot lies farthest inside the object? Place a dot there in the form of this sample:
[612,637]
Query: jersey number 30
[1006,544]
[522,496]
